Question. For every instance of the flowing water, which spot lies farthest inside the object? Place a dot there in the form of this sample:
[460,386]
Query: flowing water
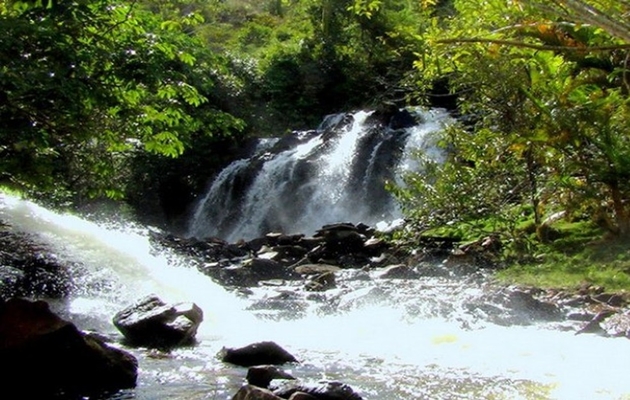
[388,339]
[334,174]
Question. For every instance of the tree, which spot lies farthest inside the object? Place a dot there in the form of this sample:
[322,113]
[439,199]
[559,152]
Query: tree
[545,84]
[84,83]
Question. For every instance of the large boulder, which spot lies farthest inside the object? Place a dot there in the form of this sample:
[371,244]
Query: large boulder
[249,392]
[44,356]
[262,375]
[325,391]
[153,323]
[260,353]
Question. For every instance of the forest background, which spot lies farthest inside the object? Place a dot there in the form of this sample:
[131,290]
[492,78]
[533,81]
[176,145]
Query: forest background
[143,100]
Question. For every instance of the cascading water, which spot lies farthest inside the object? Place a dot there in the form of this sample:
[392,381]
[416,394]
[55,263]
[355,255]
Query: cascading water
[334,174]
[389,339]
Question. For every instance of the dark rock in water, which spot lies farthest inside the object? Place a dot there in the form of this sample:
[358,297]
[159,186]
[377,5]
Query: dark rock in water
[153,323]
[515,307]
[27,269]
[536,309]
[255,270]
[262,375]
[594,325]
[325,391]
[44,356]
[391,116]
[260,353]
[302,396]
[249,392]
[316,269]
[321,282]
[617,325]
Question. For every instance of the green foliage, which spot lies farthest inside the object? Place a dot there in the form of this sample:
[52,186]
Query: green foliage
[84,83]
[580,258]
[546,105]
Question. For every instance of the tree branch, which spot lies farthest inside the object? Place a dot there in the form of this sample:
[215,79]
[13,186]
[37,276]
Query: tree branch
[515,43]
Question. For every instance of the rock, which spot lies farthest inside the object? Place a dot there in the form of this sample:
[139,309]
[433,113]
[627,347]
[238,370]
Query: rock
[342,237]
[262,269]
[393,117]
[610,299]
[617,325]
[262,375]
[324,391]
[374,246]
[249,392]
[28,269]
[594,325]
[534,308]
[321,282]
[399,271]
[44,356]
[315,269]
[302,396]
[151,322]
[260,353]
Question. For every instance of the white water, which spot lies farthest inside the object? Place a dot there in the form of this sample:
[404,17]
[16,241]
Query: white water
[397,345]
[280,196]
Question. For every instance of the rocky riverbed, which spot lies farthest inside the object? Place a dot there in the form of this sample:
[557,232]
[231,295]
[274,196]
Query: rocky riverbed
[334,271]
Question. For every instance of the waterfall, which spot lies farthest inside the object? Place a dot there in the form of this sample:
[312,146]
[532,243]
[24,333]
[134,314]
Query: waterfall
[336,173]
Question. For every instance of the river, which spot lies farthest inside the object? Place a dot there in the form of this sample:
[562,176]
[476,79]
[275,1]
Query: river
[388,339]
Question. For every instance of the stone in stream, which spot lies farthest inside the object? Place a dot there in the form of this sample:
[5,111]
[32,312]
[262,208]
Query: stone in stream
[617,325]
[398,271]
[325,391]
[153,323]
[250,392]
[262,375]
[260,353]
[316,269]
[302,396]
[321,282]
[44,356]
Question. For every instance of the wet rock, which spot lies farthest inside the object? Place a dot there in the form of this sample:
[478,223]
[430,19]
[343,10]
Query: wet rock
[344,238]
[262,268]
[617,325]
[255,270]
[28,269]
[262,375]
[153,323]
[260,353]
[302,396]
[374,246]
[399,271]
[249,392]
[511,306]
[44,356]
[315,269]
[611,299]
[321,282]
[534,308]
[389,115]
[594,325]
[324,391]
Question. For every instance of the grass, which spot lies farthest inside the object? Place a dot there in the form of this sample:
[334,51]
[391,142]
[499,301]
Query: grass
[582,254]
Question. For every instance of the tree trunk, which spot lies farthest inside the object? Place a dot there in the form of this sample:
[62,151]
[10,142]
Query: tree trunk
[621,215]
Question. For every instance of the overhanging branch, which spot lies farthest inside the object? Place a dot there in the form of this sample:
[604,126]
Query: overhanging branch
[515,43]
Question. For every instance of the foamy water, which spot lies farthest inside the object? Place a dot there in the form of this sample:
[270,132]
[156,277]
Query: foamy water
[391,347]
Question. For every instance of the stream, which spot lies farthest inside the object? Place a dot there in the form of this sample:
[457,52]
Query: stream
[387,338]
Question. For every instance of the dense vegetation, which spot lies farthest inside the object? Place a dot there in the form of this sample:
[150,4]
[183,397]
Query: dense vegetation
[99,98]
